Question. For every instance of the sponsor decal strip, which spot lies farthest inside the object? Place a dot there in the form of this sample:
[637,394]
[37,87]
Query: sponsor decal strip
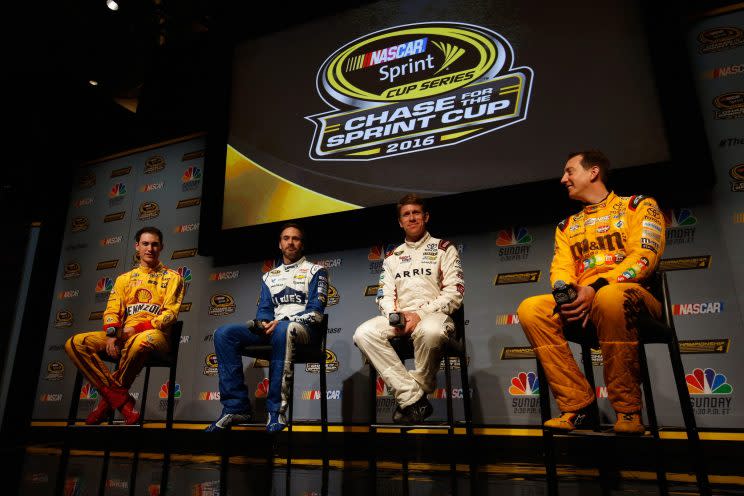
[517,277]
[685,263]
[704,345]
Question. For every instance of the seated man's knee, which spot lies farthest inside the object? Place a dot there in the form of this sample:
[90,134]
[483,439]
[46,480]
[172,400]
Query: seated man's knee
[220,334]
[142,345]
[279,335]
[363,334]
[432,332]
[297,331]
[527,310]
[225,334]
[608,297]
[69,345]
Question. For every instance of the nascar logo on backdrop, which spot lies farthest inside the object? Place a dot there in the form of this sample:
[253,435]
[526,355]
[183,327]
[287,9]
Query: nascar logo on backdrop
[417,87]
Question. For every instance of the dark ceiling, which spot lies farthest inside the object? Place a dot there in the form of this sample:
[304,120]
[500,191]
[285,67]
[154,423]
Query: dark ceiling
[156,54]
[155,64]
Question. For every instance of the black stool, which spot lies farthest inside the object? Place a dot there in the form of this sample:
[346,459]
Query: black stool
[452,347]
[650,331]
[303,353]
[155,359]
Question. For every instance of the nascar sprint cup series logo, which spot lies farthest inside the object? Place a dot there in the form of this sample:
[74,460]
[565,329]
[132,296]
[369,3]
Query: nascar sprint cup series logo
[416,87]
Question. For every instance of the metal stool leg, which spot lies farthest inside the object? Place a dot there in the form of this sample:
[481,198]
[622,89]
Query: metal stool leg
[448,382]
[75,402]
[104,471]
[466,399]
[290,417]
[323,403]
[171,405]
[586,360]
[693,439]
[373,395]
[551,471]
[653,423]
[143,403]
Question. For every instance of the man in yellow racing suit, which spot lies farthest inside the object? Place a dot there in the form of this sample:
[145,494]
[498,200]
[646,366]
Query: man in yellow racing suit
[142,306]
[605,252]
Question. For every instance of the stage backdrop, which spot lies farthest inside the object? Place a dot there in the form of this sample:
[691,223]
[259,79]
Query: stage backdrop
[161,186]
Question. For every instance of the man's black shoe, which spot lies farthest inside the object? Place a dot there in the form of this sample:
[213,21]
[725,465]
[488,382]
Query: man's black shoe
[413,414]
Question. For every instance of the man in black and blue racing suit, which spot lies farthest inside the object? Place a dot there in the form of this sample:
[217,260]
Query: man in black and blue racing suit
[290,310]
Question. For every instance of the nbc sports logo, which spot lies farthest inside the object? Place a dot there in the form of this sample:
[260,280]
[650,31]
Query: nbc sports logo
[381,388]
[680,226]
[507,319]
[514,236]
[51,397]
[514,244]
[185,273]
[378,253]
[525,383]
[679,218]
[164,388]
[104,285]
[209,396]
[262,388]
[191,179]
[268,265]
[191,174]
[708,382]
[118,190]
[88,392]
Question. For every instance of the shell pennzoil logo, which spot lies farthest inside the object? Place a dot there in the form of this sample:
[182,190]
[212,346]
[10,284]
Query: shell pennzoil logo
[417,87]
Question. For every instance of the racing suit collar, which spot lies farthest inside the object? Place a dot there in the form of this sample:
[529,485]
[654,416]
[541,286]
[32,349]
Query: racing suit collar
[416,244]
[293,265]
[588,209]
[148,270]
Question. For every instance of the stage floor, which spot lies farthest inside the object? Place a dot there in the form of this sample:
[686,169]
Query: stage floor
[117,460]
[190,474]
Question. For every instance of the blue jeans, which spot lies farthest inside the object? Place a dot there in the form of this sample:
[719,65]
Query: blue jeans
[228,342]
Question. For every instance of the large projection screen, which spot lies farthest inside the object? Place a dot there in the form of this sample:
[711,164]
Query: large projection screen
[440,97]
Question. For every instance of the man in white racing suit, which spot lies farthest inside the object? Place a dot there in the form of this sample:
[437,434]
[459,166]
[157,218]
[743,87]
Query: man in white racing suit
[421,280]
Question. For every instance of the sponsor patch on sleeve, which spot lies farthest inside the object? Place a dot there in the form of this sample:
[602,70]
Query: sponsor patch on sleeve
[648,224]
[635,201]
[444,244]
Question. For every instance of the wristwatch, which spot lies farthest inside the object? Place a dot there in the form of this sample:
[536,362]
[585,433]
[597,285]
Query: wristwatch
[111,332]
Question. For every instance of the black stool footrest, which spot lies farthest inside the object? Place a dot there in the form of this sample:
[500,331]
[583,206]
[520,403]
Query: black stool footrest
[408,427]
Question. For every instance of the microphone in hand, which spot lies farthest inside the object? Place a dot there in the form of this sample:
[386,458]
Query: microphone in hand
[256,326]
[563,293]
[397,320]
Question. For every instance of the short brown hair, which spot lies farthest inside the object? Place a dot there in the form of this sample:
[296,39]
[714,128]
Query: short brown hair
[152,230]
[412,199]
[590,158]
